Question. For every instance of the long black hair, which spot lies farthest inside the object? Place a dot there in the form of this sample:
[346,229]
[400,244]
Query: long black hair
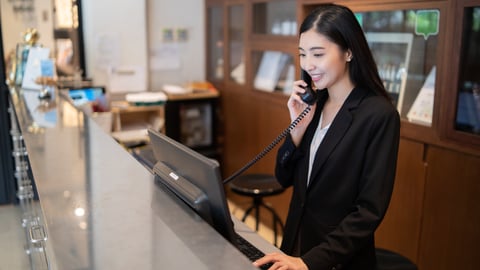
[338,24]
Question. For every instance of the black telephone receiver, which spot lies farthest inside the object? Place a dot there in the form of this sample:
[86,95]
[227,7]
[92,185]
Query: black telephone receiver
[310,96]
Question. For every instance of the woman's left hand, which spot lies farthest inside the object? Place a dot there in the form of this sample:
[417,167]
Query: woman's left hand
[281,261]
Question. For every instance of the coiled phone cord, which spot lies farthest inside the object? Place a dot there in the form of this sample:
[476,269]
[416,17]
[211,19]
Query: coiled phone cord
[270,146]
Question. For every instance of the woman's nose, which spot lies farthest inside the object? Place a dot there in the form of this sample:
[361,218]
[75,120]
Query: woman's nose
[308,65]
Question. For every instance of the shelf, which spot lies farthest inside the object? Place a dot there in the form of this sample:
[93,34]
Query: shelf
[275,71]
[127,118]
[275,18]
[236,46]
[215,36]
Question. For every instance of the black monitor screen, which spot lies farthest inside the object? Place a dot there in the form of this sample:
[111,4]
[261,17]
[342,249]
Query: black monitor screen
[195,179]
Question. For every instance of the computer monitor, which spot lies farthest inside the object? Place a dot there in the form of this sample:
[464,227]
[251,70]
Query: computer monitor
[195,179]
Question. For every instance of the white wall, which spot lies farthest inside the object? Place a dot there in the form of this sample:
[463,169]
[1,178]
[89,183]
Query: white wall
[168,14]
[114,35]
[137,26]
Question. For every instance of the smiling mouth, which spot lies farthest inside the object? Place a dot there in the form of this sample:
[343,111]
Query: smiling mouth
[316,77]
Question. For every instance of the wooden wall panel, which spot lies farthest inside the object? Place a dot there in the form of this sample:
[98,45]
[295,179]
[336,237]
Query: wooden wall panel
[252,122]
[451,226]
[239,120]
[271,122]
[400,230]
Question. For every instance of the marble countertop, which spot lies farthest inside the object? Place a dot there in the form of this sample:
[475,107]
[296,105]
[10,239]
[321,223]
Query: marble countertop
[101,208]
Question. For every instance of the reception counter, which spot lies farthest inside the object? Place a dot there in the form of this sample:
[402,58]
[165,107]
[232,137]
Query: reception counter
[100,208]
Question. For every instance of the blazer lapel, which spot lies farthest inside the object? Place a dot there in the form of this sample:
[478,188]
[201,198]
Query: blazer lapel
[337,130]
[322,98]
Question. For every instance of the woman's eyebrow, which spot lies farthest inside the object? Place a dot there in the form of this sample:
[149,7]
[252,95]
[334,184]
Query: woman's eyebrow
[312,48]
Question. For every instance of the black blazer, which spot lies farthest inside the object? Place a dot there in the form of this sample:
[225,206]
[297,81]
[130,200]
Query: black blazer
[331,222]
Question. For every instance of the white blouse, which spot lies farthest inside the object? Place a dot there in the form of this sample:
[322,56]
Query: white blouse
[316,141]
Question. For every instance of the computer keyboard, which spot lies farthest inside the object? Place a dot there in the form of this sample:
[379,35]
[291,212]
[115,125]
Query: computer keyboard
[250,251]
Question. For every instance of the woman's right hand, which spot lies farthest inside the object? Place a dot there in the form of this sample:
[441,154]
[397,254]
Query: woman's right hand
[296,106]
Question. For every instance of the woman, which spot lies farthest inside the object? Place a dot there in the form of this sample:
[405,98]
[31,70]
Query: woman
[341,158]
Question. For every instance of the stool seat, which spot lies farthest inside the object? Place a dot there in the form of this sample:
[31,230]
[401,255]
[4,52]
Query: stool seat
[258,186]
[389,260]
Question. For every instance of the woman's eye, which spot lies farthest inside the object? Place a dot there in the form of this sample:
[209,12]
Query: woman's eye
[318,54]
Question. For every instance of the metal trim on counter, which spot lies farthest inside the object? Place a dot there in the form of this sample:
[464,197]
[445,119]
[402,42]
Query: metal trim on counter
[35,235]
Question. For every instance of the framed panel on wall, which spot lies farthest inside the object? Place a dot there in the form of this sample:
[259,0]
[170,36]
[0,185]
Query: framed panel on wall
[463,110]
[392,52]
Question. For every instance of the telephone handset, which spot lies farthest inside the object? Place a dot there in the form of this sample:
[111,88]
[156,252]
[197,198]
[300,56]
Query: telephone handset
[310,96]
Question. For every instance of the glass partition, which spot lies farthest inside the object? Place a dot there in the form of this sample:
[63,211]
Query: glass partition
[404,45]
[275,71]
[275,18]
[215,43]
[68,38]
[236,24]
[468,101]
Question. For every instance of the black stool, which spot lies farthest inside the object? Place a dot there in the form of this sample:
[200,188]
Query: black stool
[259,186]
[389,260]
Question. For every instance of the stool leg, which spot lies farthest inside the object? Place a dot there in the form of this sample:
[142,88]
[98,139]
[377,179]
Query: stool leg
[257,217]
[247,212]
[256,206]
[274,213]
[257,202]
[276,219]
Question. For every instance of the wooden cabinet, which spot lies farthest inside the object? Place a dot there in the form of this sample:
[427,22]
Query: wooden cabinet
[401,228]
[192,119]
[462,102]
[434,207]
[240,34]
[449,233]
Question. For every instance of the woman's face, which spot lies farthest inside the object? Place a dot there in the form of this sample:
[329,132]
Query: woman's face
[323,60]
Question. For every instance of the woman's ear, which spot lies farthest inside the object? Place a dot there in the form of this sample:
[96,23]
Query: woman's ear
[348,55]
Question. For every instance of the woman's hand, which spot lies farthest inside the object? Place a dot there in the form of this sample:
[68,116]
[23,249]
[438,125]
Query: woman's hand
[296,106]
[281,262]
